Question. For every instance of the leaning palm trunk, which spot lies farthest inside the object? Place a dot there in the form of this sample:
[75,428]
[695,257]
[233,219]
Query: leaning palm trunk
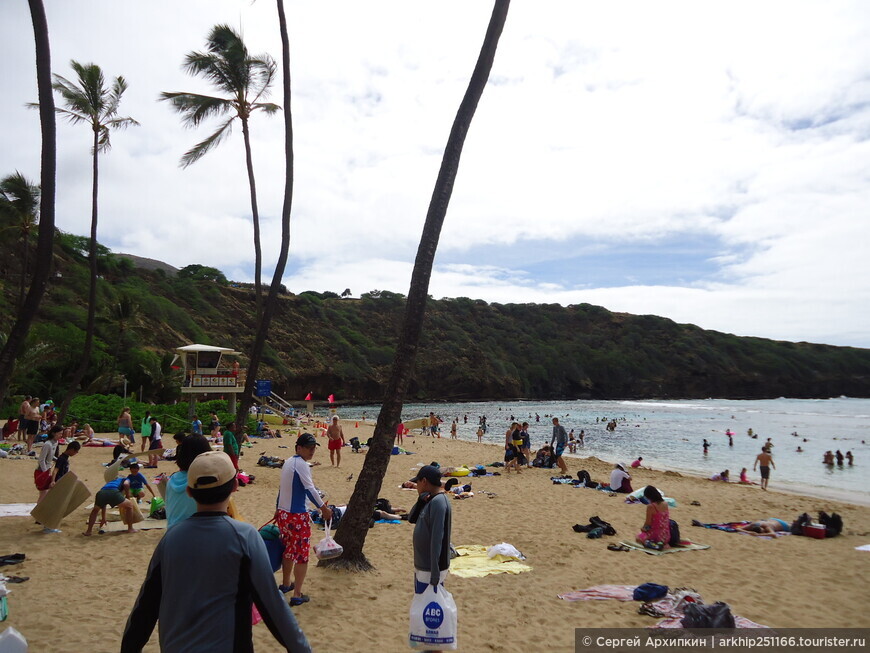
[45,243]
[255,218]
[271,302]
[84,363]
[354,524]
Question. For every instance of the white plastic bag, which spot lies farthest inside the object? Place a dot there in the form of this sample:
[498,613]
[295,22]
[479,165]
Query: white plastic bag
[433,620]
[327,547]
[505,549]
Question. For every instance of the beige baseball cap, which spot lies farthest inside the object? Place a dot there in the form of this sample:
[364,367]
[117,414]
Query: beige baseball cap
[210,469]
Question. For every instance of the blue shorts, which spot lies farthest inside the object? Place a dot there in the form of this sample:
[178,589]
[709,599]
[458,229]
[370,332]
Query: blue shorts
[559,449]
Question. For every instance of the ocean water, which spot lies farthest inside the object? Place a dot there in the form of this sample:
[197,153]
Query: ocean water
[669,434]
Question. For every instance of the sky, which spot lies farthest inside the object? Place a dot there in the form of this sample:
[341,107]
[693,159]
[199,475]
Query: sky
[706,162]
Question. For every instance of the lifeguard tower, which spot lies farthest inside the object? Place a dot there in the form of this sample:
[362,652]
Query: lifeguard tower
[208,372]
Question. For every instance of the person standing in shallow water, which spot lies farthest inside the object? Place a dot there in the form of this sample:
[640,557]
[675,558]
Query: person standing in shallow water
[765,461]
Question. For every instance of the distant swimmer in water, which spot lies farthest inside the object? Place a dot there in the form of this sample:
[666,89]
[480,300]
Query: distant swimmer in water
[850,457]
[799,450]
[706,445]
[828,458]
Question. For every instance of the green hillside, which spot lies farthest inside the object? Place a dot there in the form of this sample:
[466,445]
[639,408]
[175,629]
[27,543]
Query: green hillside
[469,350]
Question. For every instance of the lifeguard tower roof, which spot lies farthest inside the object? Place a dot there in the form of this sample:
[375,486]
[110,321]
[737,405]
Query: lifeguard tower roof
[197,348]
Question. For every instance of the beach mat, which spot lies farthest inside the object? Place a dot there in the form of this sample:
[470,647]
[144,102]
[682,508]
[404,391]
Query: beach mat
[16,509]
[474,562]
[67,495]
[147,524]
[674,549]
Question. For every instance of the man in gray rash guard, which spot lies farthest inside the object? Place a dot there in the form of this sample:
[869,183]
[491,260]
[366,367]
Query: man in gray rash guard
[431,516]
[205,574]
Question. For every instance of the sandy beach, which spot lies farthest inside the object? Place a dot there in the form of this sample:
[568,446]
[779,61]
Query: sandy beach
[85,587]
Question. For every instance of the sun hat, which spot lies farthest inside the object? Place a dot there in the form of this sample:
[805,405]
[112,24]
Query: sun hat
[210,469]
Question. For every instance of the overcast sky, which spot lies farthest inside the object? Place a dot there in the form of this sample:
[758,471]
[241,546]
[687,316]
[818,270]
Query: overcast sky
[703,161]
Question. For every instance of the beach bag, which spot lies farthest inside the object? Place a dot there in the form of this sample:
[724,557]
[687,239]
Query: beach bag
[156,504]
[649,592]
[327,548]
[675,534]
[433,620]
[274,546]
[717,615]
[833,523]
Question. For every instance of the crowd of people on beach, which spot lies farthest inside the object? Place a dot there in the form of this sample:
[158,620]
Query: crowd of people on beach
[201,533]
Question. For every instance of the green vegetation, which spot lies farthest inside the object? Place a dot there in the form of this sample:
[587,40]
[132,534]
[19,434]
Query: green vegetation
[322,343]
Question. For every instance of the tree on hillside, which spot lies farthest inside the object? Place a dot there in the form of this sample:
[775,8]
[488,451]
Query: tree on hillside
[121,313]
[245,79]
[19,212]
[354,524]
[91,102]
[45,242]
[271,303]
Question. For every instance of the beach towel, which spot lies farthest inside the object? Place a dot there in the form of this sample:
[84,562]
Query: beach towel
[670,607]
[144,525]
[16,509]
[474,562]
[601,592]
[687,546]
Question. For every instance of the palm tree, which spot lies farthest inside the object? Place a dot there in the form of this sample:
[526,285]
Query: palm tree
[19,208]
[121,313]
[245,79]
[91,103]
[45,240]
[271,303]
[354,524]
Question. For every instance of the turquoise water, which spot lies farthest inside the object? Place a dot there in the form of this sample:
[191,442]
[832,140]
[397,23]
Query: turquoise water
[669,434]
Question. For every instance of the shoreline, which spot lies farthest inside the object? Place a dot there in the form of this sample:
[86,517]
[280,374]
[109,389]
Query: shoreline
[808,491]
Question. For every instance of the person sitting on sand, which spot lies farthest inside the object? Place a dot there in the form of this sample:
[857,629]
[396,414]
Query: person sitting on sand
[721,476]
[656,531]
[744,479]
[620,480]
[769,526]
[116,494]
[637,463]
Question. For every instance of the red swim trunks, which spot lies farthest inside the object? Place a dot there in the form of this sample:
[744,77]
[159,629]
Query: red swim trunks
[334,444]
[295,529]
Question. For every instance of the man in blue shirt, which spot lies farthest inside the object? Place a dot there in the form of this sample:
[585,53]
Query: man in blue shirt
[196,426]
[205,575]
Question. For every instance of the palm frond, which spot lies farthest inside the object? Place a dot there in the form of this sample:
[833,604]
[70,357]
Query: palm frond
[201,149]
[195,108]
[267,107]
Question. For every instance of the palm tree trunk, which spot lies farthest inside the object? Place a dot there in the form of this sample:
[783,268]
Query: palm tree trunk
[271,302]
[45,243]
[22,289]
[255,215]
[79,374]
[354,524]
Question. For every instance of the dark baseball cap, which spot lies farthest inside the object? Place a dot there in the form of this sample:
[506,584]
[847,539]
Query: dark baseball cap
[430,473]
[306,440]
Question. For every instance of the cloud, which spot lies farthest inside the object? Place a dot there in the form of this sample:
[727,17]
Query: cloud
[706,162]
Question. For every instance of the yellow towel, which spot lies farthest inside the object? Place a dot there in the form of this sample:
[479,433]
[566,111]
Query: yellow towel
[473,562]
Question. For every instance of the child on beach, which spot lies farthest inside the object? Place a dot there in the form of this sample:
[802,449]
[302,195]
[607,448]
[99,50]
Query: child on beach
[116,494]
[61,465]
[42,476]
[138,483]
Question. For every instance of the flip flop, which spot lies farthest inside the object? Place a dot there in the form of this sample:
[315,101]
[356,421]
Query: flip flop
[618,547]
[299,600]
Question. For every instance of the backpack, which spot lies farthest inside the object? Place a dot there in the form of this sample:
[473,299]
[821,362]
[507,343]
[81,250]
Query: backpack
[649,592]
[717,615]
[833,523]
